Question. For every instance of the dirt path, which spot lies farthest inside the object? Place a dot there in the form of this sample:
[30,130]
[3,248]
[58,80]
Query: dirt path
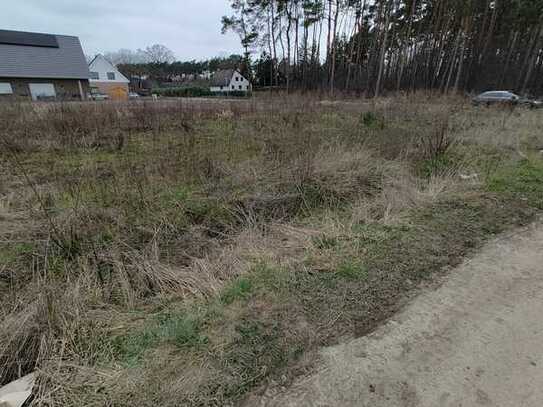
[476,340]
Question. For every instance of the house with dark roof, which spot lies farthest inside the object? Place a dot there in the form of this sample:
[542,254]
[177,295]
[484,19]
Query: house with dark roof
[229,80]
[42,67]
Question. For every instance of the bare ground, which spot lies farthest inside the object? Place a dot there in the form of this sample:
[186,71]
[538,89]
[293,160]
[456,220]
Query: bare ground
[475,340]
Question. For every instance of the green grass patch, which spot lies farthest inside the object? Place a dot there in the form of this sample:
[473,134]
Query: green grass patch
[352,269]
[240,289]
[271,278]
[436,166]
[263,279]
[180,330]
[11,253]
[324,242]
[523,181]
[176,195]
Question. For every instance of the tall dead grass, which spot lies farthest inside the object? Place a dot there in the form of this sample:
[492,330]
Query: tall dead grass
[151,203]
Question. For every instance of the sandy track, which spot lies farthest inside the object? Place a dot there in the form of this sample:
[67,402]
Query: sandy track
[477,340]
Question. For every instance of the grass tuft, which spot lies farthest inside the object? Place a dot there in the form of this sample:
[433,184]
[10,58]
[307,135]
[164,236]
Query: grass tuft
[352,270]
[180,330]
[239,289]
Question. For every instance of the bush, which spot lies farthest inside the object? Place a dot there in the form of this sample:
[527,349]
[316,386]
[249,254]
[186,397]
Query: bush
[373,120]
[183,92]
[236,94]
[197,92]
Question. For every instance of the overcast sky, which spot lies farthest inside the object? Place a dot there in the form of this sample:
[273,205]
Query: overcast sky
[190,28]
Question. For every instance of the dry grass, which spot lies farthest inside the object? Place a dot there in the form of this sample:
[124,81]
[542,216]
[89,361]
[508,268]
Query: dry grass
[183,253]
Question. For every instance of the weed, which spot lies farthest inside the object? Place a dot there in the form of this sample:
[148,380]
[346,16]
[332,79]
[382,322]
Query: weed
[372,120]
[237,290]
[439,165]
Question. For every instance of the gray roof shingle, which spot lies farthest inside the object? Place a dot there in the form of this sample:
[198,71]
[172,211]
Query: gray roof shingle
[27,61]
[222,77]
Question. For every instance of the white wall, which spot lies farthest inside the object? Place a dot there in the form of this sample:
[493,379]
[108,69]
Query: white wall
[102,66]
[239,83]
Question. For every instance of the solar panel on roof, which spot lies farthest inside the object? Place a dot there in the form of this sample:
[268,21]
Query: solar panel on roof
[28,39]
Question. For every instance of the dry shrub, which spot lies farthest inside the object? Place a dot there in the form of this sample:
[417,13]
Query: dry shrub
[61,126]
[61,332]
[48,317]
[495,128]
[400,193]
[324,174]
[348,171]
[278,243]
[129,277]
[21,335]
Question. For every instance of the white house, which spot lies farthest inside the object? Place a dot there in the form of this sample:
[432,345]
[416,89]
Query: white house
[229,80]
[106,78]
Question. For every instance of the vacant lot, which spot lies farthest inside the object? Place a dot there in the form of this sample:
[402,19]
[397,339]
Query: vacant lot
[191,253]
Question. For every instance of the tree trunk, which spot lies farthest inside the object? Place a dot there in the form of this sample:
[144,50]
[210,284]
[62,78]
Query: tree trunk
[508,59]
[405,44]
[383,50]
[334,48]
[532,63]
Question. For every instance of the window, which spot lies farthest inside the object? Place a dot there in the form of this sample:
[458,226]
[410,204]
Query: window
[222,87]
[95,75]
[239,87]
[233,87]
[237,78]
[42,91]
[5,88]
[111,76]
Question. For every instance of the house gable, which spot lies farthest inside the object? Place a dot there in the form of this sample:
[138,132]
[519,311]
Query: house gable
[101,70]
[239,83]
[230,81]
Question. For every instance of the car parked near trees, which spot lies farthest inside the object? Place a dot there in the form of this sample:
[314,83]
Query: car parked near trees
[496,97]
[504,98]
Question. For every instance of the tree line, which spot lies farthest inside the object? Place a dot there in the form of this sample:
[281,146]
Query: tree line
[374,46]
